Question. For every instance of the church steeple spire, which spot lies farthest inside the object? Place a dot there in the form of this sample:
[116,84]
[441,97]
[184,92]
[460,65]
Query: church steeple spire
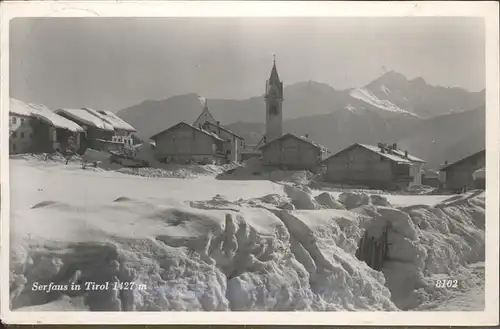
[274,102]
[274,82]
[205,114]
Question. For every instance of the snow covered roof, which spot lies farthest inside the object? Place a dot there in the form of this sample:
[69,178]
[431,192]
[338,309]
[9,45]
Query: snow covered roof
[480,173]
[43,113]
[470,157]
[112,119]
[180,124]
[430,173]
[87,118]
[396,155]
[301,138]
[392,155]
[19,108]
[224,129]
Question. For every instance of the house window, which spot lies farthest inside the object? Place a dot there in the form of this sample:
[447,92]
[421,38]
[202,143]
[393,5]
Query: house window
[14,147]
[14,120]
[22,134]
[14,134]
[22,120]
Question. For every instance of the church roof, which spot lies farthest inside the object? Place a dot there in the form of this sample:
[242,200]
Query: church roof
[274,77]
[205,113]
[274,81]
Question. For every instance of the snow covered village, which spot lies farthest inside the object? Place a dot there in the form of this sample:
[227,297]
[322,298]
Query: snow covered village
[304,198]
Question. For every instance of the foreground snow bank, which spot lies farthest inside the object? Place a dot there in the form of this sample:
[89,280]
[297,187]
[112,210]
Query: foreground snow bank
[190,259]
[428,244]
[252,254]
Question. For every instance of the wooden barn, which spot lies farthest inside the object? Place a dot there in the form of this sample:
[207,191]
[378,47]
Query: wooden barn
[458,176]
[184,143]
[380,167]
[291,152]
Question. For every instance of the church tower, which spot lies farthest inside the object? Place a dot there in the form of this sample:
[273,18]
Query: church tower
[274,102]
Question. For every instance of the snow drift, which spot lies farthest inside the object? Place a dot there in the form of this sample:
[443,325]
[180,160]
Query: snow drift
[279,252]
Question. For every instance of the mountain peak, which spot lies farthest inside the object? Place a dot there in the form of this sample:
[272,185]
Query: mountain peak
[418,81]
[390,77]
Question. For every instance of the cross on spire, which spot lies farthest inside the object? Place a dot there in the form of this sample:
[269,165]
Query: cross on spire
[274,58]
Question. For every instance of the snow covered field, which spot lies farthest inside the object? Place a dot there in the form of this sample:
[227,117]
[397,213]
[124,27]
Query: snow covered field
[219,245]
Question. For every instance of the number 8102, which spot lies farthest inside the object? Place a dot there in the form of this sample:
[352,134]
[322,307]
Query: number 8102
[446,283]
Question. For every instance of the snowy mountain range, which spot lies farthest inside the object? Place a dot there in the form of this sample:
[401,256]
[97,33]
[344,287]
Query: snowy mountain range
[390,108]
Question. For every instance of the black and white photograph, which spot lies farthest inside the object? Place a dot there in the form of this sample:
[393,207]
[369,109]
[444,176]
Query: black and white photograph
[248,164]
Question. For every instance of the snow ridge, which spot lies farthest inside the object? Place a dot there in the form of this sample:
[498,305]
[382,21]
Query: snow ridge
[368,97]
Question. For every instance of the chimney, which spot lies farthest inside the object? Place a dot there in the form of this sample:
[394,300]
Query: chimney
[306,135]
[394,146]
[381,146]
[218,123]
[406,154]
[446,162]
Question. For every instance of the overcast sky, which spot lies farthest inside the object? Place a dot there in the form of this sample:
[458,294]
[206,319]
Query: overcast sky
[113,63]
